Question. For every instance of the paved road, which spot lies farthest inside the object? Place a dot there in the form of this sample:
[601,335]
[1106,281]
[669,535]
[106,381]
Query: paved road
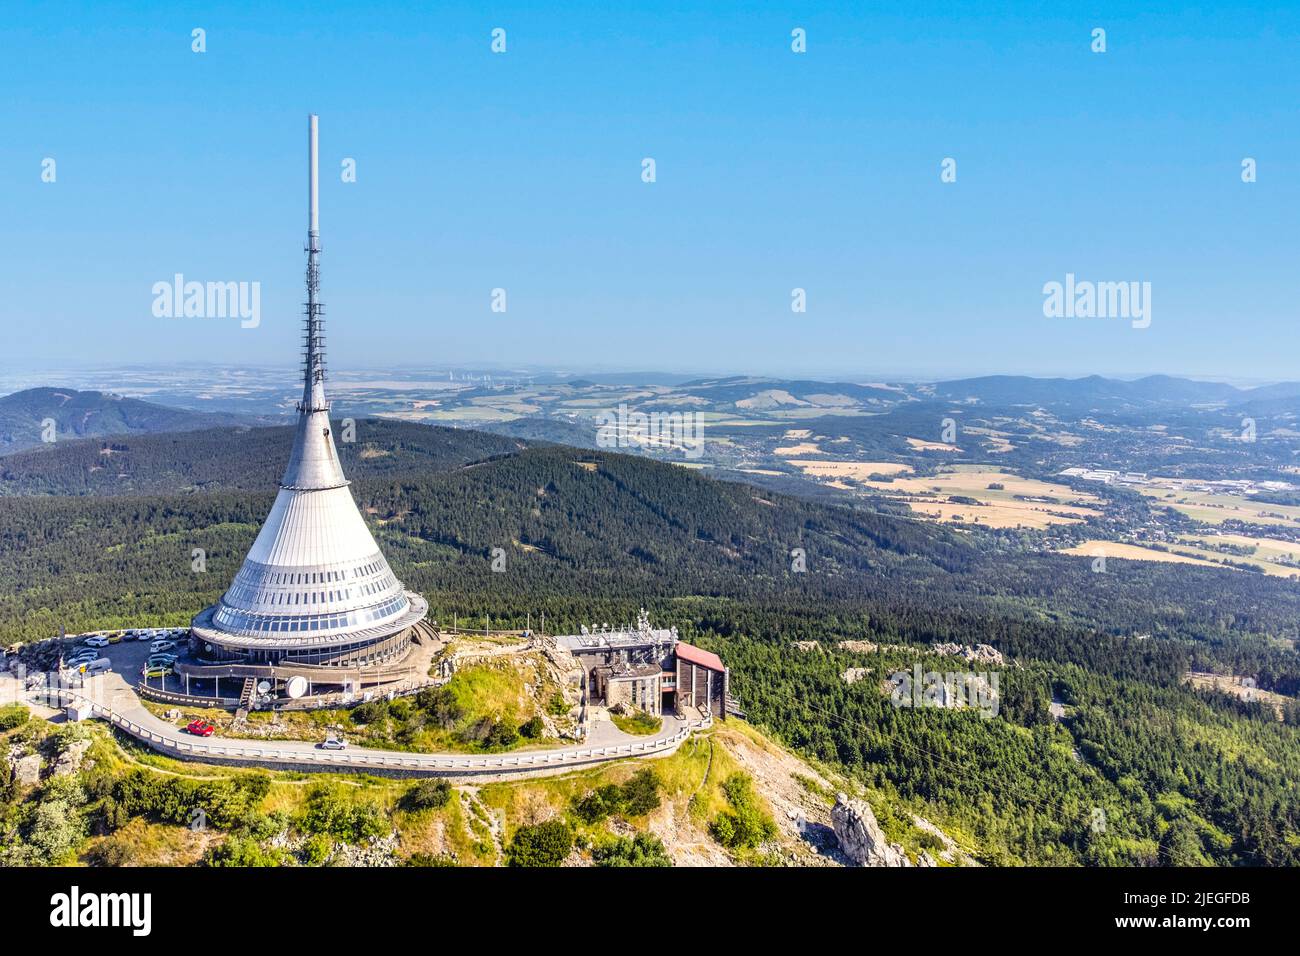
[113,699]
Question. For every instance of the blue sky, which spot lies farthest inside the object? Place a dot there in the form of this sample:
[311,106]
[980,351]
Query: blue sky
[775,171]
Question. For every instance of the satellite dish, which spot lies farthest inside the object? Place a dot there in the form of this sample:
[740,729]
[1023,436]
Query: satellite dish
[263,687]
[296,687]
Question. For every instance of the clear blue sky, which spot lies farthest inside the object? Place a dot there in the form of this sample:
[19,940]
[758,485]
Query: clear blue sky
[775,170]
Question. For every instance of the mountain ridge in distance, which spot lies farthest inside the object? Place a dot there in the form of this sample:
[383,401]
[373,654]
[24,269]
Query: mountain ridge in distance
[90,414]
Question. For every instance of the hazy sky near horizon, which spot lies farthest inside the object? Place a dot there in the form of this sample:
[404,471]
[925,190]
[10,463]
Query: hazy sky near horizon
[775,171]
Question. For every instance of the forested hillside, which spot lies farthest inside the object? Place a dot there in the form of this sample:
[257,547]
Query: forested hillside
[232,458]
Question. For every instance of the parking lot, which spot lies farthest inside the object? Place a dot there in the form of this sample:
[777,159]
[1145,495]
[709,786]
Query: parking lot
[128,656]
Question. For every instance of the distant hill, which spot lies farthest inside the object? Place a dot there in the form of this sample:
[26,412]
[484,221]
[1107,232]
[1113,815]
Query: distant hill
[743,388]
[1106,392]
[248,459]
[87,414]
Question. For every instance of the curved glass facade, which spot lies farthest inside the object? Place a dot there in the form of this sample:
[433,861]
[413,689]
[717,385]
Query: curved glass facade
[235,621]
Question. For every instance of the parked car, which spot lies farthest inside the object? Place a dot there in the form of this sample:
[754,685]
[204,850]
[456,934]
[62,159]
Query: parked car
[161,660]
[157,670]
[144,636]
[97,641]
[200,728]
[333,743]
[101,666]
[115,638]
[162,646]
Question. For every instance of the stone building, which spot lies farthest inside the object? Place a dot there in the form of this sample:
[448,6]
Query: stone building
[636,686]
[650,669]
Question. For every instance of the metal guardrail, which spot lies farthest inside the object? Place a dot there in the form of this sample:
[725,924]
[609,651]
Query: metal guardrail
[503,763]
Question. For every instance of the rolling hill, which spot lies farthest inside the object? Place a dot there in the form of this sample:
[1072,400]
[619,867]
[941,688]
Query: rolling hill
[231,458]
[87,414]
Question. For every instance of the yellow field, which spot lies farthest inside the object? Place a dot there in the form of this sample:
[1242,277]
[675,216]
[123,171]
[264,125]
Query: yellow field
[999,515]
[803,448]
[974,481]
[860,470]
[1216,509]
[1267,551]
[1264,547]
[919,444]
[997,441]
[997,507]
[1132,552]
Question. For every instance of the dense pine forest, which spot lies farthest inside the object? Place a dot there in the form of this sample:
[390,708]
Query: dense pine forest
[1134,768]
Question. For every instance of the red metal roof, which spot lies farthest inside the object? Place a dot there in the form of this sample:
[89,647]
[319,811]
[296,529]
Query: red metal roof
[693,655]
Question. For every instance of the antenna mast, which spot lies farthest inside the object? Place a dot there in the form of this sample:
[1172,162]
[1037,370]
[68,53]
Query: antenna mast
[313,394]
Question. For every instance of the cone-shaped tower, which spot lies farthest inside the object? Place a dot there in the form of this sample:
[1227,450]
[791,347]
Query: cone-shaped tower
[315,588]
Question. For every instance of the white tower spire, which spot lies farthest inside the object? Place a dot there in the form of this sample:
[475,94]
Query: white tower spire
[315,577]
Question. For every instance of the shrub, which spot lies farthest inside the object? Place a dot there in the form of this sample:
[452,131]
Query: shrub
[641,793]
[242,851]
[532,728]
[929,841]
[56,828]
[369,713]
[13,715]
[501,734]
[645,849]
[599,803]
[439,705]
[745,825]
[540,844]
[226,803]
[400,709]
[316,850]
[427,795]
[330,813]
[635,798]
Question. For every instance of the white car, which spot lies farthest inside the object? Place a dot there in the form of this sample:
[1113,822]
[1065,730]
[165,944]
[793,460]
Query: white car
[334,743]
[144,636]
[97,641]
[157,646]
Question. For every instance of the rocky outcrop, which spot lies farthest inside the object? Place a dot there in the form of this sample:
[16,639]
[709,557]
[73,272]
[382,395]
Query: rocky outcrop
[858,647]
[860,836]
[855,674]
[70,760]
[979,654]
[26,767]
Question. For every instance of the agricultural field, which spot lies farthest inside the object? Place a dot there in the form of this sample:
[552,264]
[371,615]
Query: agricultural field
[997,498]
[1133,552]
[1218,508]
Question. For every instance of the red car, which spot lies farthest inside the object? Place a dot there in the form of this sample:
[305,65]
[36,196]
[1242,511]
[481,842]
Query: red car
[200,728]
